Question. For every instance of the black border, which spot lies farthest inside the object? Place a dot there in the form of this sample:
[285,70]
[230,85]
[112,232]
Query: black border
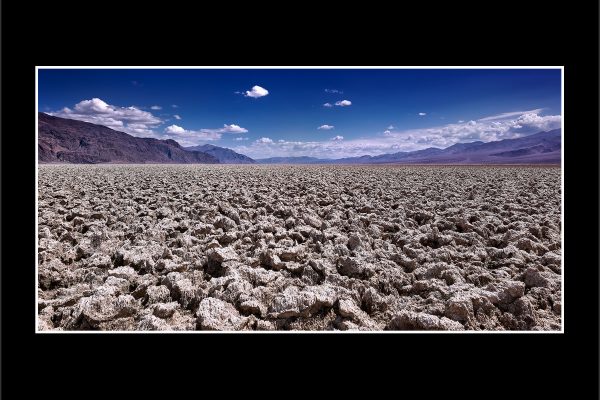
[518,33]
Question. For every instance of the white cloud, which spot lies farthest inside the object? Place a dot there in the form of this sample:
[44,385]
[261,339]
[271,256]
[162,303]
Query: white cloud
[188,137]
[386,132]
[422,114]
[416,139]
[328,105]
[233,128]
[460,121]
[140,123]
[125,119]
[256,92]
[174,106]
[343,103]
[240,138]
[326,127]
[531,121]
[156,108]
[511,114]
[390,127]
[333,91]
[175,129]
[338,137]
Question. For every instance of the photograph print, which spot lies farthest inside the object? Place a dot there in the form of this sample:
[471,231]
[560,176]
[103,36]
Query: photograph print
[322,199]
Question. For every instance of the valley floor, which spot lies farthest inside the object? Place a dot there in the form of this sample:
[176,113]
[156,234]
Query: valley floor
[219,247]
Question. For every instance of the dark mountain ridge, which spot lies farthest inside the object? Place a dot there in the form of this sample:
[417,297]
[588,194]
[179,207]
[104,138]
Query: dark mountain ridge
[62,140]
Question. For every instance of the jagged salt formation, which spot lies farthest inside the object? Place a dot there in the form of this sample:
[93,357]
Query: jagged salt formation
[298,248]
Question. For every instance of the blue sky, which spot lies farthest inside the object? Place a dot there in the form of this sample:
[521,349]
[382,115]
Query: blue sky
[322,113]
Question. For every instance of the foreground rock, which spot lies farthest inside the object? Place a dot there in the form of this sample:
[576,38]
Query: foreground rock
[252,248]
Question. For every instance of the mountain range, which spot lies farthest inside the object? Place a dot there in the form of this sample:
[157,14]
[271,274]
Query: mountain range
[63,140]
[225,156]
[539,148]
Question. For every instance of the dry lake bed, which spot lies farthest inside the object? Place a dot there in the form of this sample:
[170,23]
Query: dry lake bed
[255,248]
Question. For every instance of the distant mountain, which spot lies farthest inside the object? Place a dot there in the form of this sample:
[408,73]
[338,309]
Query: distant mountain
[63,140]
[224,155]
[539,148]
[459,147]
[291,160]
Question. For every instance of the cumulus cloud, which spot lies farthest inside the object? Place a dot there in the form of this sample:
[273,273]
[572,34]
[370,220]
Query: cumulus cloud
[390,127]
[531,122]
[326,127]
[460,121]
[240,138]
[338,137]
[422,114]
[174,106]
[175,129]
[187,137]
[256,92]
[264,140]
[333,91]
[156,108]
[125,119]
[343,103]
[409,140]
[233,128]
[328,105]
[176,116]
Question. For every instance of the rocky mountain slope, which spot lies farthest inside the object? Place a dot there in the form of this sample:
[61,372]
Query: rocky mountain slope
[63,140]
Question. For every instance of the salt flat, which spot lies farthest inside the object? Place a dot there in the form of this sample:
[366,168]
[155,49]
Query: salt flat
[218,247]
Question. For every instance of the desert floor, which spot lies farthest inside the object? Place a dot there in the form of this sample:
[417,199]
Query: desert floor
[217,247]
